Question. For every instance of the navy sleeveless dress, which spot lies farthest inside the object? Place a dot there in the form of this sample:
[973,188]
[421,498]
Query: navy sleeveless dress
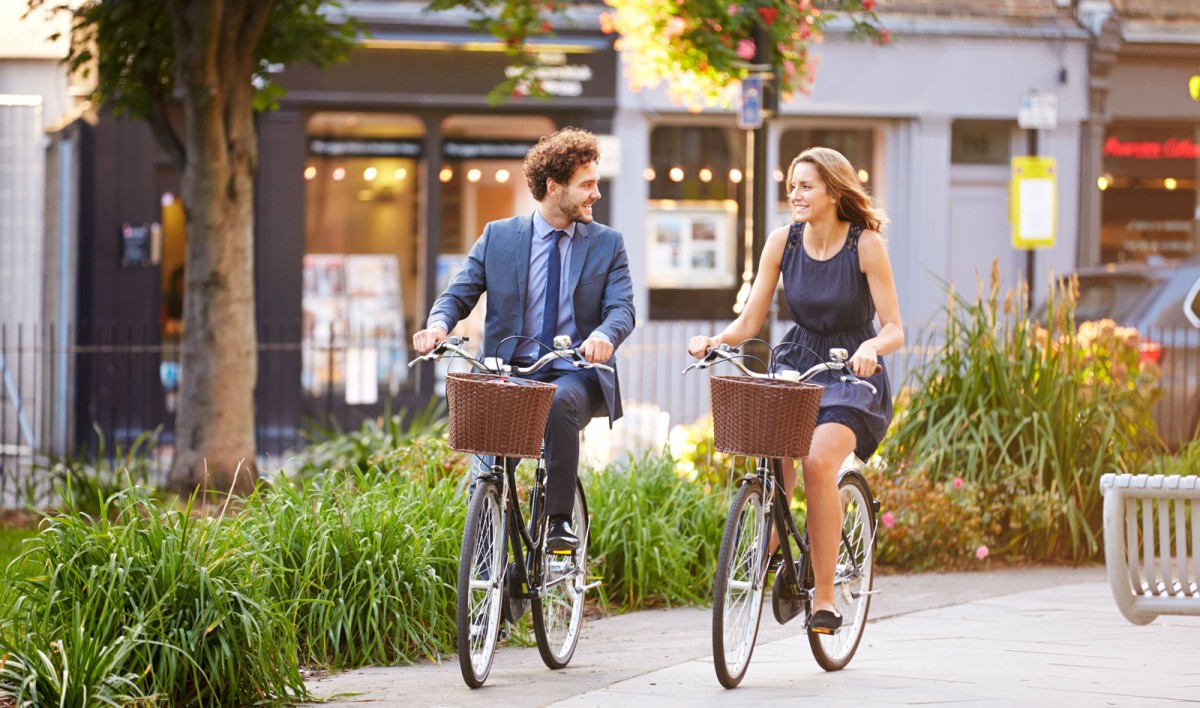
[831,306]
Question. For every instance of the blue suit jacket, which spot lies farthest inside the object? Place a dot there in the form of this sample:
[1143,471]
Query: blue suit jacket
[600,286]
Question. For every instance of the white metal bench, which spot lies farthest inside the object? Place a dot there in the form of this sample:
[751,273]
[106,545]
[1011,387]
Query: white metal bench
[1152,544]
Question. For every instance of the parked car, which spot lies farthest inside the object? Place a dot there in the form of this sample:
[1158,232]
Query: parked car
[1160,300]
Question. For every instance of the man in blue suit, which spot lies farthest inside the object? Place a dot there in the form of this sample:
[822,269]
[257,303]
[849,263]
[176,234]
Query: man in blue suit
[552,272]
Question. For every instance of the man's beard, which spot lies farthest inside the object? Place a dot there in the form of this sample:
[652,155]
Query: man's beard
[574,212]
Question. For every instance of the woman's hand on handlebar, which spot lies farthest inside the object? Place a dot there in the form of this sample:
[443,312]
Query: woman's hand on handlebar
[865,361]
[699,346]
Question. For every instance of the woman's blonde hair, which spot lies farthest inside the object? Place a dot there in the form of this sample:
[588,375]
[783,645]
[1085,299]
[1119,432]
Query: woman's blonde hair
[854,205]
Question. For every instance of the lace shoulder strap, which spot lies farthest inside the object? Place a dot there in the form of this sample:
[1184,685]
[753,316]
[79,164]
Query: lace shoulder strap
[852,237]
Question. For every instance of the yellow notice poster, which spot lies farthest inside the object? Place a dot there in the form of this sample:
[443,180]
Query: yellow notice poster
[1034,202]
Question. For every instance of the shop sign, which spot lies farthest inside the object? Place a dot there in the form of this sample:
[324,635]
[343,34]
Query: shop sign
[485,149]
[556,76]
[357,147]
[1169,149]
[138,245]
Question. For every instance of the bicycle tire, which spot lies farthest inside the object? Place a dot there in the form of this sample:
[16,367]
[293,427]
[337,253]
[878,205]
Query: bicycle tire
[481,566]
[739,584]
[854,575]
[558,611]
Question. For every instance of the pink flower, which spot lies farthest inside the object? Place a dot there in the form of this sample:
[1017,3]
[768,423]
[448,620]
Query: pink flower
[675,27]
[746,49]
[888,520]
[733,10]
[981,552]
[958,483]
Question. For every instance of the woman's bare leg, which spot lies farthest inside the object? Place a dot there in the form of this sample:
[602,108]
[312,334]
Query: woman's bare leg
[789,486]
[831,444]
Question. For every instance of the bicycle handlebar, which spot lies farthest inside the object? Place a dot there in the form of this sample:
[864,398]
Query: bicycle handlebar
[494,365]
[837,362]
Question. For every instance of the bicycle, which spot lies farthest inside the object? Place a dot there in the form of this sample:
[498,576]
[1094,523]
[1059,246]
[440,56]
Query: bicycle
[743,560]
[504,569]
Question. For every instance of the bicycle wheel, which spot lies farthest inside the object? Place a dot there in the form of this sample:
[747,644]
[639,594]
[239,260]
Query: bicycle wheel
[739,584]
[480,582]
[558,613]
[853,577]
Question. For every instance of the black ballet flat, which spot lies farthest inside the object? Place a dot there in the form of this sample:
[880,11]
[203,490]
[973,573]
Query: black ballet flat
[824,622]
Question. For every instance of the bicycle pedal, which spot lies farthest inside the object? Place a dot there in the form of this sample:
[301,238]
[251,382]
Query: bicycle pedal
[561,553]
[822,630]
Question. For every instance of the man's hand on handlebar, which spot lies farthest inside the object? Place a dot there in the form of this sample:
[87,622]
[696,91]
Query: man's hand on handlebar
[427,340]
[596,350]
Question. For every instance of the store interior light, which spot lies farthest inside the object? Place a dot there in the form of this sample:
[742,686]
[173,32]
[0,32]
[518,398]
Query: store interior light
[310,172]
[676,174]
[864,176]
[502,175]
[1170,183]
[168,198]
[474,174]
[400,174]
[649,174]
[777,175]
[735,176]
[1102,183]
[446,174]
[339,174]
[370,173]
[705,174]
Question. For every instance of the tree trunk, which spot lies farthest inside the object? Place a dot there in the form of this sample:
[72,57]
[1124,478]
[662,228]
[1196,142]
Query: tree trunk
[215,425]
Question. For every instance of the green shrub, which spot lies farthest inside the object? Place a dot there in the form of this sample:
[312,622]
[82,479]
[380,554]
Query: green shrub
[141,601]
[1045,411]
[366,562]
[655,535]
[377,439]
[955,525]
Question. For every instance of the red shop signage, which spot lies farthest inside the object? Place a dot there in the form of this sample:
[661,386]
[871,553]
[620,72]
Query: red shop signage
[1152,150]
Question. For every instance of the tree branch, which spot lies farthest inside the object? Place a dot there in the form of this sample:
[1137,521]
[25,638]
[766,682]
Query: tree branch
[165,133]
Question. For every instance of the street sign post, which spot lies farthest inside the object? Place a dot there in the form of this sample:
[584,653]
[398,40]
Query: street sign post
[750,114]
[1038,110]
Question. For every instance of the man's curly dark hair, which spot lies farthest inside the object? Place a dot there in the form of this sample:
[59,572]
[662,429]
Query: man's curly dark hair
[557,156]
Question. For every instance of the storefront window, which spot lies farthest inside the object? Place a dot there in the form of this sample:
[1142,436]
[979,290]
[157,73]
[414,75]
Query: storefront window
[692,216]
[1149,201]
[362,275]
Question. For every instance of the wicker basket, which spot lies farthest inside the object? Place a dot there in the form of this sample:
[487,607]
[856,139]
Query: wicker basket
[763,417]
[495,415]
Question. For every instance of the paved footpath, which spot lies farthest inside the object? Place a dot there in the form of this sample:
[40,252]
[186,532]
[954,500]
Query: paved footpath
[1031,637]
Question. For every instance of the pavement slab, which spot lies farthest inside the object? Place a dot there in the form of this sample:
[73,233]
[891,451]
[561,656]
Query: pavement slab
[1031,636]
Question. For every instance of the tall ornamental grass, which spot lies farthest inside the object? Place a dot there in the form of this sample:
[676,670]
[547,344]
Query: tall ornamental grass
[655,534]
[1034,412]
[367,562]
[142,602]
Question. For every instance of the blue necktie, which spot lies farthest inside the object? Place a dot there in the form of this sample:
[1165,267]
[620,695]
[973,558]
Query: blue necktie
[553,276]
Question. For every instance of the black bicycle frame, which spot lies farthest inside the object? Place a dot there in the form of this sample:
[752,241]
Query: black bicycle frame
[770,472]
[519,534]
